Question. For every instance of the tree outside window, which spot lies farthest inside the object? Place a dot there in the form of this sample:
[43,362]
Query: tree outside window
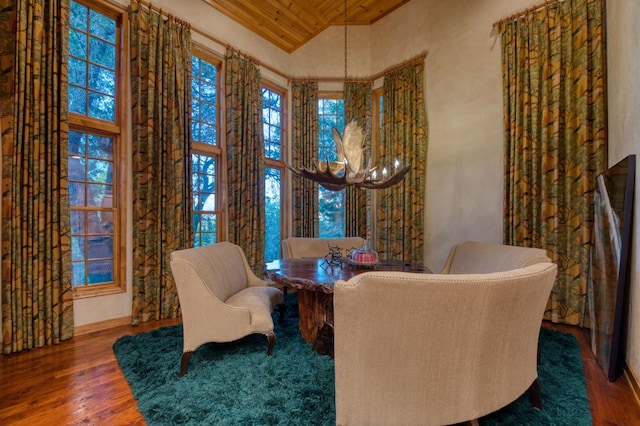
[330,203]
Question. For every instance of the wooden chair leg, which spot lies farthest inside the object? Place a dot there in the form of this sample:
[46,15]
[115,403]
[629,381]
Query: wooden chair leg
[271,339]
[535,395]
[184,363]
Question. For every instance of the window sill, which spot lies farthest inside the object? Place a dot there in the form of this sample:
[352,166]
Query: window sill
[96,290]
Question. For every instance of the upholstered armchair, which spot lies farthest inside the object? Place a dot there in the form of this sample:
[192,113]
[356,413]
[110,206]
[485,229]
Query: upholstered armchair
[221,299]
[472,257]
[296,247]
[433,349]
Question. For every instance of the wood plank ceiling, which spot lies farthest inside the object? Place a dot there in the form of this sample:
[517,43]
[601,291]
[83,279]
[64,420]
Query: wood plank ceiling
[291,23]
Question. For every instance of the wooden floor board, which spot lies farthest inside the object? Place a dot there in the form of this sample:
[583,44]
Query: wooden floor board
[79,382]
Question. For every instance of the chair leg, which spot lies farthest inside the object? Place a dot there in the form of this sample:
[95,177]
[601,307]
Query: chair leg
[271,339]
[184,363]
[534,394]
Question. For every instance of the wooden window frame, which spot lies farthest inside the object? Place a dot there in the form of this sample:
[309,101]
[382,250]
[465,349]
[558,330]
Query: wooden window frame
[280,164]
[117,131]
[218,150]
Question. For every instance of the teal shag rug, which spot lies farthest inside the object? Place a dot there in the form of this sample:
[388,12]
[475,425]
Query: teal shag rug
[238,384]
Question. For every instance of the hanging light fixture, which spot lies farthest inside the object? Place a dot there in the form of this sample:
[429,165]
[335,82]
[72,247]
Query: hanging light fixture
[349,169]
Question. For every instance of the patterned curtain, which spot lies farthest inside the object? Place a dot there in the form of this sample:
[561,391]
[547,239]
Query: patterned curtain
[358,105]
[555,138]
[304,192]
[161,116]
[37,299]
[245,157]
[400,209]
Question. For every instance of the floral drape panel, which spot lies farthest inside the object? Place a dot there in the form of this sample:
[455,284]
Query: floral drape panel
[245,157]
[400,209]
[37,299]
[304,192]
[555,138]
[161,121]
[358,105]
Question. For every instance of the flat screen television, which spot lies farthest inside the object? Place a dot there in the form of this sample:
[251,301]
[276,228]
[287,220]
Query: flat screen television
[605,318]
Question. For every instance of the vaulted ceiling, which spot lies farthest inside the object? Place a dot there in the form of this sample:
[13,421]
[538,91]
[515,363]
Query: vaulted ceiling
[291,23]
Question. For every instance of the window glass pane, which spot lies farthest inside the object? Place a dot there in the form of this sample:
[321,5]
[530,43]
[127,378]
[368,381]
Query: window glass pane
[331,213]
[100,147]
[76,143]
[96,195]
[103,26]
[330,203]
[78,16]
[78,273]
[76,168]
[204,229]
[77,248]
[78,44]
[101,106]
[100,271]
[102,80]
[100,222]
[271,127]
[78,224]
[204,103]
[93,47]
[77,100]
[77,194]
[77,72]
[203,184]
[100,171]
[102,53]
[273,209]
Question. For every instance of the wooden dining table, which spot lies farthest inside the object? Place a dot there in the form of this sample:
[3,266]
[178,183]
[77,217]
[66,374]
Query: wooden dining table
[313,279]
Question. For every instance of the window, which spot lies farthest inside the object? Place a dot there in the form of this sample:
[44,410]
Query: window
[330,203]
[206,151]
[273,129]
[95,165]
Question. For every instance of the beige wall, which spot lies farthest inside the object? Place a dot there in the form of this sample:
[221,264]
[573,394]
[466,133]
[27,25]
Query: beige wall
[464,108]
[623,74]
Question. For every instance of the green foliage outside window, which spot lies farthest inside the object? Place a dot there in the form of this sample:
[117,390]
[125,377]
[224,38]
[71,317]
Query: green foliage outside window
[330,203]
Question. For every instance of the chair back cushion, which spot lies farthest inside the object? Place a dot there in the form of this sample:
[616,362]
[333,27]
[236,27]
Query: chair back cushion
[220,266]
[422,349]
[473,257]
[297,247]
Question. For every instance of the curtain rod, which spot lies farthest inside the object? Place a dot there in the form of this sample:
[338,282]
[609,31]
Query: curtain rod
[289,79]
[163,13]
[416,59]
[524,12]
[210,37]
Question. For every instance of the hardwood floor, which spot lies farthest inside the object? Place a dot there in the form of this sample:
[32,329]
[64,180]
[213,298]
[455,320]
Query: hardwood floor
[79,383]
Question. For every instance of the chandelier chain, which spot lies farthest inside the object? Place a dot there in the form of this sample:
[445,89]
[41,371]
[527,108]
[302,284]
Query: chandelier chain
[345,42]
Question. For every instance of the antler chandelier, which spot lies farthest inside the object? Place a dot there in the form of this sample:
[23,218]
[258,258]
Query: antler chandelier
[349,169]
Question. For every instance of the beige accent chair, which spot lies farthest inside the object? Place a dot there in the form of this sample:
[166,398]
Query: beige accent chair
[472,257]
[221,299]
[434,349]
[296,247]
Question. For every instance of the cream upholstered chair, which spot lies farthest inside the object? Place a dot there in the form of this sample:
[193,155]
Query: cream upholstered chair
[473,257]
[295,247]
[220,297]
[433,349]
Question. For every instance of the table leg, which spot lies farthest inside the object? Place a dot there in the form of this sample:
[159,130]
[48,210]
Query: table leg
[316,314]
